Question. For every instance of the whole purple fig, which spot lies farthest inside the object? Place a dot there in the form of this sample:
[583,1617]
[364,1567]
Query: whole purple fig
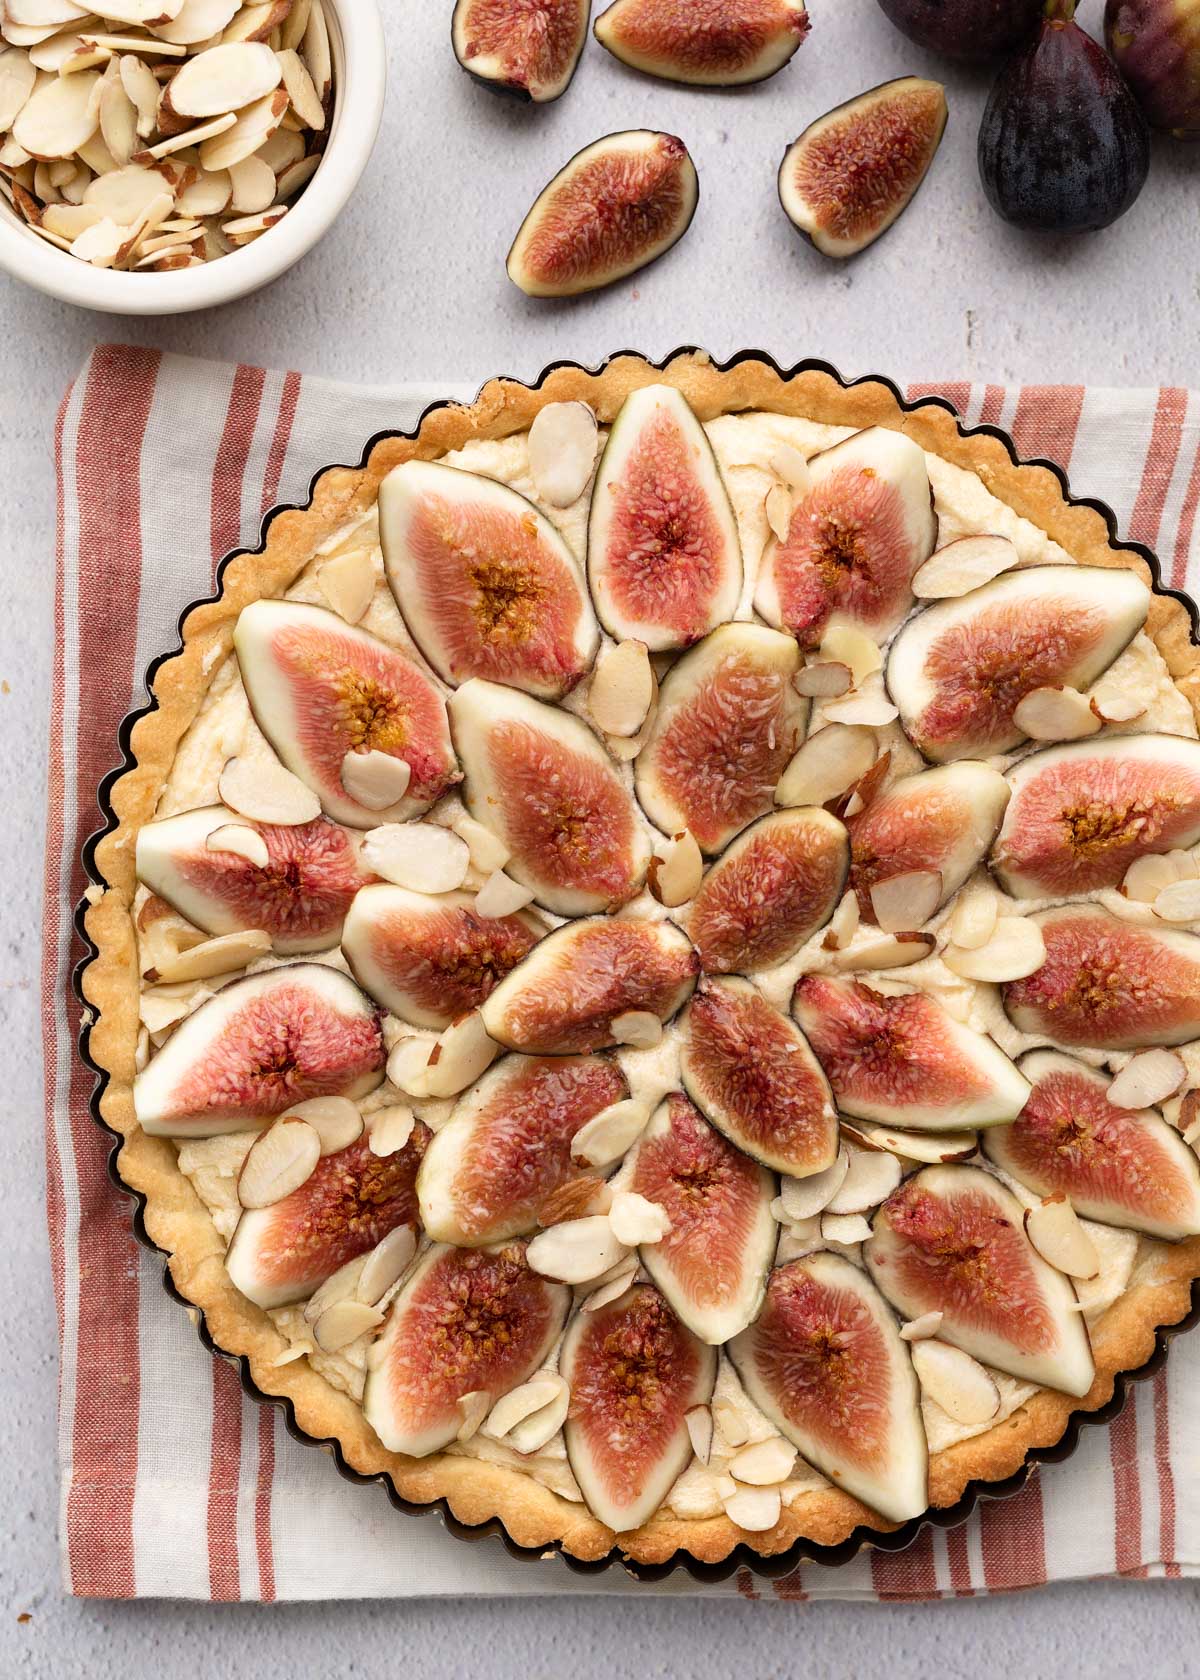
[970,30]
[1156,44]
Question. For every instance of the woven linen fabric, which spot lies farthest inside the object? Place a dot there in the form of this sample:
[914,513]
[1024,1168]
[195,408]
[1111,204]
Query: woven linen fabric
[174,1483]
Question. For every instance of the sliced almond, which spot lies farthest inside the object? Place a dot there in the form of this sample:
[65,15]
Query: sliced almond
[636,1221]
[622,688]
[804,1197]
[18,76]
[347,582]
[610,1134]
[306,101]
[204,134]
[488,851]
[96,155]
[1117,708]
[675,874]
[422,856]
[342,1286]
[241,841]
[963,565]
[865,707]
[764,1463]
[576,1251]
[777,508]
[69,220]
[238,137]
[343,1323]
[790,466]
[522,1402]
[637,1028]
[1179,901]
[798,1238]
[197,21]
[375,779]
[124,194]
[973,919]
[908,900]
[148,12]
[1055,714]
[292,29]
[224,78]
[578,1198]
[897,950]
[501,896]
[473,1407]
[540,1427]
[408,1067]
[458,1058]
[1148,1079]
[386,1264]
[933,1147]
[754,1509]
[918,1329]
[1187,864]
[390,1128]
[1054,1230]
[278,1163]
[145,44]
[700,1431]
[1191,1133]
[853,648]
[290,1355]
[336,1121]
[267,793]
[870,1179]
[315,50]
[50,14]
[159,1010]
[253,189]
[118,115]
[730,1423]
[282,150]
[824,681]
[843,924]
[611,1289]
[256,22]
[826,765]
[222,955]
[955,1382]
[296,175]
[59,116]
[1015,948]
[847,1228]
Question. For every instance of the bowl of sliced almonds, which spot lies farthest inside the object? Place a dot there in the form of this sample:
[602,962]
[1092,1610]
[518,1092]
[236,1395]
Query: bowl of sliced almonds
[165,155]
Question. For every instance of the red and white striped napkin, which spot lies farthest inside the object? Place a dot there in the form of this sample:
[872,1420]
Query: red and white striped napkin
[173,1483]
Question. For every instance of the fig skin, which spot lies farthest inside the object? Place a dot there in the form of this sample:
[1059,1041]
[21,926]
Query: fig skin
[1063,147]
[530,52]
[1156,47]
[971,31]
[704,43]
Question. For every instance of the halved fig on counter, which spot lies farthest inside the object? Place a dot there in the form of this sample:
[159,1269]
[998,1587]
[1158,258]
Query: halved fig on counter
[634,1372]
[825,1364]
[507,1146]
[527,49]
[542,782]
[771,890]
[958,670]
[430,958]
[854,540]
[1081,814]
[750,1071]
[467,1321]
[1108,984]
[300,896]
[259,1046]
[728,721]
[905,1061]
[617,205]
[1120,1166]
[952,1240]
[321,689]
[938,823]
[854,170]
[712,1264]
[724,45]
[664,556]
[348,1204]
[487,586]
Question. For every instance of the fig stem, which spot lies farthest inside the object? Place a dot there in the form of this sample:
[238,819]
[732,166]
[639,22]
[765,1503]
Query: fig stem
[1060,11]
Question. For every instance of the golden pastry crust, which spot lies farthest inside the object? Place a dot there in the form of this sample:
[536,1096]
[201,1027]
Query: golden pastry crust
[177,1220]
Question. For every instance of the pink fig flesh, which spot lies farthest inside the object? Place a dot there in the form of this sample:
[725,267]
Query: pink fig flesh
[773,888]
[707,43]
[1108,984]
[529,48]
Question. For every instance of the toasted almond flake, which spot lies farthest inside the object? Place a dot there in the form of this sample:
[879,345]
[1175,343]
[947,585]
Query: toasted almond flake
[223,955]
[267,793]
[636,1221]
[203,135]
[1016,948]
[608,1135]
[158,1010]
[700,1431]
[197,21]
[870,1179]
[1117,708]
[18,77]
[239,137]
[913,1146]
[822,681]
[387,1263]
[675,873]
[522,1402]
[377,780]
[864,707]
[59,116]
[764,1463]
[1148,1079]
[315,50]
[1055,714]
[348,581]
[918,1329]
[577,1250]
[535,1431]
[501,896]
[241,841]
[389,1129]
[973,919]
[278,1163]
[955,1382]
[790,466]
[422,856]
[826,765]
[852,647]
[336,1121]
[562,451]
[343,1323]
[297,175]
[408,1067]
[777,509]
[845,1228]
[1179,901]
[804,1197]
[897,950]
[458,1058]
[908,900]
[963,565]
[611,1289]
[622,688]
[1054,1230]
[638,1028]
[124,194]
[754,1509]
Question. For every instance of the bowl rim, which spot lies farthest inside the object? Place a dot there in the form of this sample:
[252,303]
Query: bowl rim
[358,45]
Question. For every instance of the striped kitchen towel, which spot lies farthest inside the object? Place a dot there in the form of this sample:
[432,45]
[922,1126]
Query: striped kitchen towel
[173,1483]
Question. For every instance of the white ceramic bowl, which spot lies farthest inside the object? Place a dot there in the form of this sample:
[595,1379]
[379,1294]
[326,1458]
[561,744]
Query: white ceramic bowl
[359,70]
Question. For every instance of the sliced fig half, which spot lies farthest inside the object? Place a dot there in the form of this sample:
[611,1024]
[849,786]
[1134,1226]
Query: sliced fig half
[486,584]
[854,170]
[529,48]
[1108,984]
[541,781]
[855,538]
[1121,1166]
[467,1321]
[937,822]
[825,1363]
[350,1202]
[728,721]
[751,1072]
[705,45]
[634,1372]
[320,688]
[507,1146]
[712,1264]
[563,999]
[952,1240]
[664,556]
[619,204]
[1082,813]
[958,670]
[259,1046]
[300,897]
[905,1061]
[770,891]
[429,959]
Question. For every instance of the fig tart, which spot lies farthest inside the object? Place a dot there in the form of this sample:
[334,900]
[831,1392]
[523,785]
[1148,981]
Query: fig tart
[648,960]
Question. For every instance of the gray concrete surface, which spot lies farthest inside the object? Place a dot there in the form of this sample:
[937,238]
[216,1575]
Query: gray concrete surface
[411,284]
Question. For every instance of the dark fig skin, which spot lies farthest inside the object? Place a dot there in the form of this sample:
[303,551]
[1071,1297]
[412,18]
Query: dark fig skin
[972,31]
[1063,147]
[1156,46]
